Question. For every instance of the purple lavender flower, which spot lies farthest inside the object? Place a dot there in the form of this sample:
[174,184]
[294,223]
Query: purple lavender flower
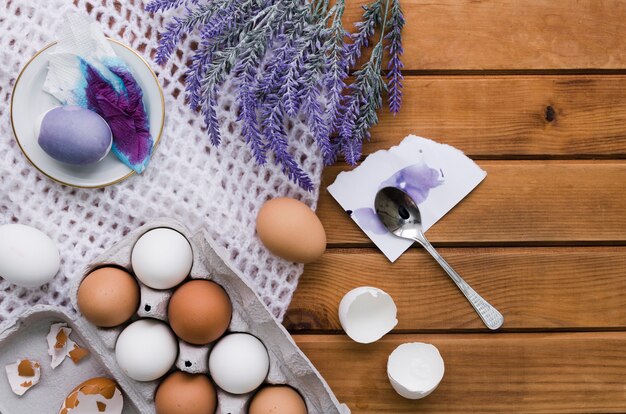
[276,137]
[273,74]
[365,29]
[289,58]
[319,128]
[248,114]
[222,20]
[210,119]
[394,47]
[181,26]
[162,5]
[337,70]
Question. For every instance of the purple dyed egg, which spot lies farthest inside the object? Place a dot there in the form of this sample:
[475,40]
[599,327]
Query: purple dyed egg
[74,135]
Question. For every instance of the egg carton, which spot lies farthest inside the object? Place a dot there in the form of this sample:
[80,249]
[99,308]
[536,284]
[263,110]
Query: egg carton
[288,365]
[27,339]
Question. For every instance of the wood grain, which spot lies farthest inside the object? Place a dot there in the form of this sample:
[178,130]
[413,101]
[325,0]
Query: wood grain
[519,202]
[510,34]
[534,288]
[512,116]
[485,373]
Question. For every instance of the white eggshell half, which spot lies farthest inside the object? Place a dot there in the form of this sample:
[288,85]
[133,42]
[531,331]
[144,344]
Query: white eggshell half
[162,258]
[367,314]
[28,257]
[146,350]
[239,363]
[415,369]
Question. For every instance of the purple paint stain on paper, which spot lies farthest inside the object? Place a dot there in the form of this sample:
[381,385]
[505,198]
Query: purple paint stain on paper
[368,220]
[125,114]
[417,180]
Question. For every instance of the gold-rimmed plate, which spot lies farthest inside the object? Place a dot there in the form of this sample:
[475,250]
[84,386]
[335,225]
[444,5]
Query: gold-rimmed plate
[29,101]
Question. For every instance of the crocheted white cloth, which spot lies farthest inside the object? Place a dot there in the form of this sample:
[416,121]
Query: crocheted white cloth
[217,189]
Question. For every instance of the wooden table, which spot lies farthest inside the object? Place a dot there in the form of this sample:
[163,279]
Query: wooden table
[535,91]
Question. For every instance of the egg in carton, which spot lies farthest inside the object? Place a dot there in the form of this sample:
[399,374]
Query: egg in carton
[288,365]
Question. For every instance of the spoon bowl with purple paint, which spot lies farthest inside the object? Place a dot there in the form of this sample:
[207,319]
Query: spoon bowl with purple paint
[401,216]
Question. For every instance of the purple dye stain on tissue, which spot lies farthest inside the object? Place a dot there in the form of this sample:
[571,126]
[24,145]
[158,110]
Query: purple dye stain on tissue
[124,112]
[416,180]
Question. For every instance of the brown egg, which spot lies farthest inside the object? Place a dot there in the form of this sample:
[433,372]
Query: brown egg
[108,297]
[183,393]
[277,399]
[199,312]
[291,230]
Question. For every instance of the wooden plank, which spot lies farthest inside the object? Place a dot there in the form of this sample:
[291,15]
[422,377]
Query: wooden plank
[519,202]
[534,288]
[512,116]
[485,373]
[510,34]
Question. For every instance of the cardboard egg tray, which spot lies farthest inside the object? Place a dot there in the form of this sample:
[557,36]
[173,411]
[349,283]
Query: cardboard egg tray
[288,365]
[27,339]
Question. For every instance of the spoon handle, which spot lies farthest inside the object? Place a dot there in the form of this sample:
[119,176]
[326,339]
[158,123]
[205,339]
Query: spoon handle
[490,315]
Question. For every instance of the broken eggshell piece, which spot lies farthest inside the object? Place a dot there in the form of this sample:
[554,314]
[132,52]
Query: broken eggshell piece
[23,375]
[367,314]
[96,395]
[60,345]
[415,369]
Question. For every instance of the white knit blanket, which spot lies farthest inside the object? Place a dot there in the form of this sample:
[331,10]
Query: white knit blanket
[217,189]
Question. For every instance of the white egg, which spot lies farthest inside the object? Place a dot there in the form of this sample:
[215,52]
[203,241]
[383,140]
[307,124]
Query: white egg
[28,257]
[146,350]
[239,363]
[162,258]
[367,314]
[415,369]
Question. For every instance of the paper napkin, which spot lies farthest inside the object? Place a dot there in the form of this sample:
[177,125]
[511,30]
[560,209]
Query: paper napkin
[437,176]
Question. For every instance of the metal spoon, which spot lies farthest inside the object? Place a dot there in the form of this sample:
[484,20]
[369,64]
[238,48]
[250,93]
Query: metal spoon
[399,213]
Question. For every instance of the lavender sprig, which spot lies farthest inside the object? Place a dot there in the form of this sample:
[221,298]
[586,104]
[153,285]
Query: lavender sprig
[365,29]
[277,143]
[163,5]
[248,114]
[210,119]
[364,100]
[337,67]
[394,47]
[178,27]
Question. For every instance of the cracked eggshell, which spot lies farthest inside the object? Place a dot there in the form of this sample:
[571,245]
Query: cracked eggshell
[23,375]
[96,395]
[367,314]
[58,340]
[28,257]
[60,345]
[415,369]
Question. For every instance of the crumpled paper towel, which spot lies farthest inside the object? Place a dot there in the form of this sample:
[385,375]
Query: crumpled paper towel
[437,176]
[79,39]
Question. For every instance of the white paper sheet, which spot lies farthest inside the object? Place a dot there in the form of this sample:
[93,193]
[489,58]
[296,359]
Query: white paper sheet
[437,176]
